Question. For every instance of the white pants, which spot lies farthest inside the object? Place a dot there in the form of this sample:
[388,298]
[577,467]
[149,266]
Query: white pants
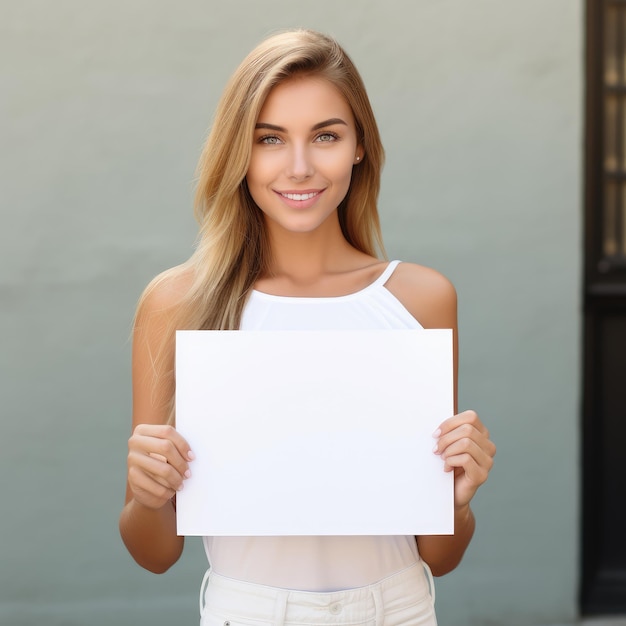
[403,599]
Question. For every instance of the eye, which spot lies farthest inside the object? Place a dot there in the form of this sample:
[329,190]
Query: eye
[326,137]
[270,140]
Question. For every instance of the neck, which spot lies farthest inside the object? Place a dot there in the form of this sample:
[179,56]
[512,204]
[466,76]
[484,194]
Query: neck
[304,256]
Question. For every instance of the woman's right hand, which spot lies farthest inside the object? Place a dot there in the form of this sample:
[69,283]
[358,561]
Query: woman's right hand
[158,464]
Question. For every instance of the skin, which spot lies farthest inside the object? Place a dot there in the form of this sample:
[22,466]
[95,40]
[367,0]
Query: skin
[305,144]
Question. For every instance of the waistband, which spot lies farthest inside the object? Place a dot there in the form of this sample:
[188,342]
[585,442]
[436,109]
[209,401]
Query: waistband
[243,600]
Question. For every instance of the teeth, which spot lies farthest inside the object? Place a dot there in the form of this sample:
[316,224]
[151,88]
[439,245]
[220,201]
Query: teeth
[299,196]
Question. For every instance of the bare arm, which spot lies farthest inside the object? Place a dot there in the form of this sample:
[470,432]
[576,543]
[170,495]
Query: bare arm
[158,457]
[462,441]
[467,450]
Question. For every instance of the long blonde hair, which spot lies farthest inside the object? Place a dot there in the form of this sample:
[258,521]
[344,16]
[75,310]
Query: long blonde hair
[233,248]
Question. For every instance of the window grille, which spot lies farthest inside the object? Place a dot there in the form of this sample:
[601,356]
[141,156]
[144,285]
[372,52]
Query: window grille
[612,231]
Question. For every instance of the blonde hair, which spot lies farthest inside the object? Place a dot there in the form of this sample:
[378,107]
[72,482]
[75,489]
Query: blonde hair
[233,248]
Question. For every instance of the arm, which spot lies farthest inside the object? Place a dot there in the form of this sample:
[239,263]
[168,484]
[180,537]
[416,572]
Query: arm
[158,457]
[465,446]
[462,441]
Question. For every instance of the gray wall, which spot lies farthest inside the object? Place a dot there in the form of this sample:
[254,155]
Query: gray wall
[103,110]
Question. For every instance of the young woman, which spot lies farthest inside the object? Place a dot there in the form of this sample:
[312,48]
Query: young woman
[289,234]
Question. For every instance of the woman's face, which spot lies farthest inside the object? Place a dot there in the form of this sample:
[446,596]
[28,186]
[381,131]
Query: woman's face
[304,148]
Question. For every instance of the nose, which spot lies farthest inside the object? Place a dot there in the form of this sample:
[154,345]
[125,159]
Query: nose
[300,165]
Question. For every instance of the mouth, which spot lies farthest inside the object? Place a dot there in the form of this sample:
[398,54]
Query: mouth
[300,200]
[299,196]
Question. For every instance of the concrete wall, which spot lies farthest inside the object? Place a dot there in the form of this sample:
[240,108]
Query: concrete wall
[103,110]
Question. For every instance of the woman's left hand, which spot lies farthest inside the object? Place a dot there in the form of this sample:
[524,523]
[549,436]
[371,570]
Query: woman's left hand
[464,445]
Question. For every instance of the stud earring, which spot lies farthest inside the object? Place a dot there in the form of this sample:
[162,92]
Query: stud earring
[358,158]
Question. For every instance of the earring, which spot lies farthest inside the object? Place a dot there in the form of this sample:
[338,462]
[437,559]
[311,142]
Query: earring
[358,158]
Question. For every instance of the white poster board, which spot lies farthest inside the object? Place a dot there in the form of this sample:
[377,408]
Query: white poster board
[314,432]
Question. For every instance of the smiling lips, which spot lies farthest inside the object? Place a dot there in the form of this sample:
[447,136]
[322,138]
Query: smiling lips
[298,196]
[304,199]
[304,195]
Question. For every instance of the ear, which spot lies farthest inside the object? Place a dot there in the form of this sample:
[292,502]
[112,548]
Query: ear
[360,153]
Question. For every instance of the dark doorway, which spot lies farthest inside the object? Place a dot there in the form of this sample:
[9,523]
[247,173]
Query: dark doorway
[603,588]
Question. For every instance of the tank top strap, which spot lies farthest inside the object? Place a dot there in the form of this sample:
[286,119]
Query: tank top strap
[384,277]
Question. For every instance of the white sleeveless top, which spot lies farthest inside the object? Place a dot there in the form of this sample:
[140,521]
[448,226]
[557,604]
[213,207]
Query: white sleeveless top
[318,563]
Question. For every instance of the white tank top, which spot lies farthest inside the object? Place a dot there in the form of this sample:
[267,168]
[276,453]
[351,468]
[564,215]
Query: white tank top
[324,563]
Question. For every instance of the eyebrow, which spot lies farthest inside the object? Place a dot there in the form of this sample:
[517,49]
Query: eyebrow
[331,122]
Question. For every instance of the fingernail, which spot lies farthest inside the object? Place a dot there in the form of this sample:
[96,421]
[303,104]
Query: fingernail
[188,474]
[190,455]
[437,433]
[180,487]
[436,449]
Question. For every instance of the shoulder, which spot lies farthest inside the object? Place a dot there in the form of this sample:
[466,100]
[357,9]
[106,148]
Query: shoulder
[158,314]
[426,293]
[164,294]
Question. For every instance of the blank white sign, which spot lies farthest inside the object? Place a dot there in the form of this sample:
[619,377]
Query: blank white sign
[314,432]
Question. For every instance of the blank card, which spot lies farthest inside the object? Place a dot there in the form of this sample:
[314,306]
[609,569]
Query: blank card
[314,432]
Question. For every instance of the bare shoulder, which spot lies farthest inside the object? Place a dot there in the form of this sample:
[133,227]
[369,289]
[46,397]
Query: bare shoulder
[426,293]
[153,344]
[164,293]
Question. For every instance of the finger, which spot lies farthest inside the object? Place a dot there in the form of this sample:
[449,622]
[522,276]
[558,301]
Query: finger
[151,484]
[147,491]
[461,442]
[473,473]
[467,447]
[466,417]
[158,457]
[158,470]
[161,450]
[465,431]
[160,447]
[168,433]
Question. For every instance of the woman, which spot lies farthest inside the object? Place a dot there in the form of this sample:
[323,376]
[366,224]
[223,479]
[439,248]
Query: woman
[286,201]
